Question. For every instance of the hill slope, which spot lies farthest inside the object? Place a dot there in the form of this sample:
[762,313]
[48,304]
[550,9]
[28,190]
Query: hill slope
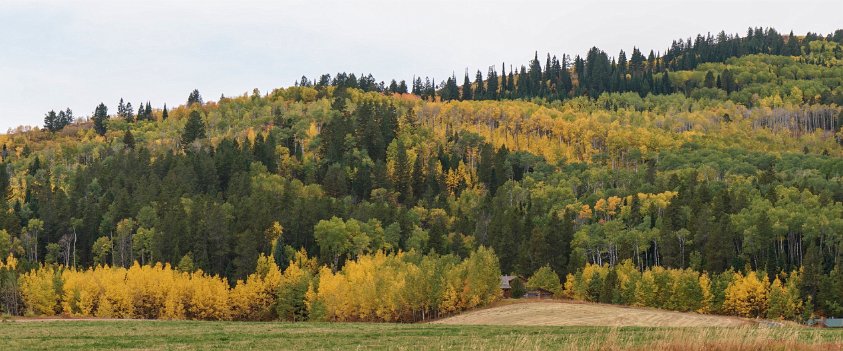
[563,313]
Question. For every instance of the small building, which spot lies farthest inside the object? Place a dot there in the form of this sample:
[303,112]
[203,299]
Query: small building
[832,322]
[538,293]
[505,284]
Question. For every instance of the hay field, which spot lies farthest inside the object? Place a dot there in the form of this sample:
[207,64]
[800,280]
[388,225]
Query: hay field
[568,313]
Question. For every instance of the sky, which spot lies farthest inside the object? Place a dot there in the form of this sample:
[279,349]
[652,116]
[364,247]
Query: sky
[76,54]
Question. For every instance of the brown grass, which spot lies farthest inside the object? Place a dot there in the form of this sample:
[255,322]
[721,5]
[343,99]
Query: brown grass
[566,313]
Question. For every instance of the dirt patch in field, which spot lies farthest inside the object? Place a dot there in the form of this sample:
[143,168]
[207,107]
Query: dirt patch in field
[566,313]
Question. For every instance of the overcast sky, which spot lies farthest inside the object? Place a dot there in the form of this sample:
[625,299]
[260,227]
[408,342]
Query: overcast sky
[58,54]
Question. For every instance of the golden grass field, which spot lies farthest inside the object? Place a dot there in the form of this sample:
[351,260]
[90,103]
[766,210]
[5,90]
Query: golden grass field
[570,313]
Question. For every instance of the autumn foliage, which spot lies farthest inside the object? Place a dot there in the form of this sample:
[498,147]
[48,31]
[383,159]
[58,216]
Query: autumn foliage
[745,294]
[377,287]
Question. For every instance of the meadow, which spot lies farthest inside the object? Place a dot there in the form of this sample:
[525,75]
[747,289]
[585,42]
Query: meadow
[198,335]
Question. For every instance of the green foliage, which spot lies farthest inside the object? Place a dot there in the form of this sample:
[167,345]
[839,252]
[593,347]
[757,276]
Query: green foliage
[517,288]
[545,278]
[711,157]
[194,129]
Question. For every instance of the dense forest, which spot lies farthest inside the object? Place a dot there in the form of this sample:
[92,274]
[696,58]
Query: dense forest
[722,154]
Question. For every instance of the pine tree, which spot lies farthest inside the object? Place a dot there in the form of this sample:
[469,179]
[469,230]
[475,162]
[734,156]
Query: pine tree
[100,117]
[194,129]
[164,114]
[51,121]
[194,98]
[121,109]
[535,88]
[709,79]
[466,88]
[479,92]
[129,139]
[418,183]
[402,176]
[492,84]
[504,82]
[129,115]
[148,112]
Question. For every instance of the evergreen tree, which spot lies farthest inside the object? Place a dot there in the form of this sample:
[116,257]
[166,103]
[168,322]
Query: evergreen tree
[194,129]
[466,88]
[121,109]
[129,139]
[504,81]
[479,91]
[709,79]
[492,84]
[418,182]
[148,112]
[100,117]
[51,121]
[402,176]
[129,115]
[194,98]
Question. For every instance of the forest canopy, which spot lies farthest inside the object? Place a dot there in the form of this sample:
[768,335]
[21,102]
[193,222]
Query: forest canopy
[722,154]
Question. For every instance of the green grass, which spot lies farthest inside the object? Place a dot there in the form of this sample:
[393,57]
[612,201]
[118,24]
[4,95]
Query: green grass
[190,335]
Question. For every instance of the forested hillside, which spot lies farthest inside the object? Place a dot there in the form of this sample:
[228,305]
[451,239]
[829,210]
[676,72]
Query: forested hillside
[724,153]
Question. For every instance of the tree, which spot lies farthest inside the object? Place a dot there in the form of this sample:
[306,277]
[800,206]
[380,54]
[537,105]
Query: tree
[128,139]
[51,121]
[609,289]
[194,129]
[333,238]
[466,88]
[186,263]
[194,98]
[53,253]
[164,113]
[545,278]
[101,249]
[746,295]
[129,113]
[30,238]
[291,304]
[100,117]
[142,244]
[402,177]
[517,288]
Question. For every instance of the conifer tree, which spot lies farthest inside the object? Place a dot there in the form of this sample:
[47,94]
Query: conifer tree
[129,139]
[479,91]
[194,129]
[100,117]
[194,98]
[466,88]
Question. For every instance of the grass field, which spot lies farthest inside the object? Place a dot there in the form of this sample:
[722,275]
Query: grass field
[570,313]
[509,325]
[189,335]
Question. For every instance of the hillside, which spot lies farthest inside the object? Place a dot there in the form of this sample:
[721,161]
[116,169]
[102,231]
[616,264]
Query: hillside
[708,178]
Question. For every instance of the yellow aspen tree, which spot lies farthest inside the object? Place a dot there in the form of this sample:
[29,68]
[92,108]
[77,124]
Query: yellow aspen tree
[707,297]
[38,291]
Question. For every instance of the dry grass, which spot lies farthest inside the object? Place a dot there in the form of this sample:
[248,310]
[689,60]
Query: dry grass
[193,335]
[698,339]
[566,313]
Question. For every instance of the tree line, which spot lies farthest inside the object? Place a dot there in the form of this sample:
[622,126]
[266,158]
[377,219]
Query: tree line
[706,180]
